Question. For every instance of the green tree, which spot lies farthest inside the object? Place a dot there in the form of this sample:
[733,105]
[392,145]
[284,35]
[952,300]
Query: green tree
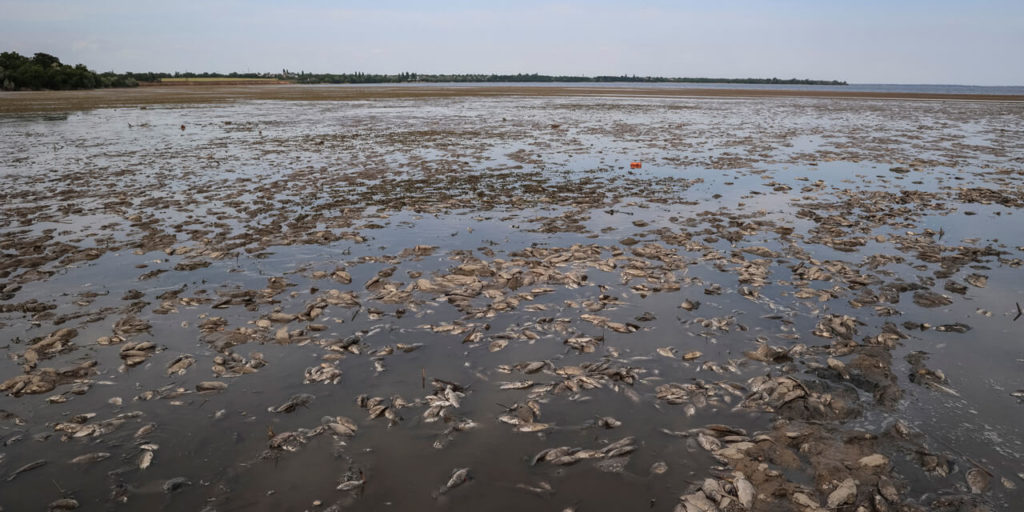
[45,71]
[12,60]
[45,60]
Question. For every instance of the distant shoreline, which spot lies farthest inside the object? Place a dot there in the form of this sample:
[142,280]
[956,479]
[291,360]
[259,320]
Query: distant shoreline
[534,78]
[468,78]
[64,101]
[940,89]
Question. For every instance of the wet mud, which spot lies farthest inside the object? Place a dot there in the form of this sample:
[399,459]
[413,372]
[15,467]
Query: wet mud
[473,302]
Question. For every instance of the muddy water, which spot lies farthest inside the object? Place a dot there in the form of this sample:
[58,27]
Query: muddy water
[863,255]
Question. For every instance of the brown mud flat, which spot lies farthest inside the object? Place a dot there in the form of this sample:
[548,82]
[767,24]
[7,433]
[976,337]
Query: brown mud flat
[166,94]
[471,302]
[214,83]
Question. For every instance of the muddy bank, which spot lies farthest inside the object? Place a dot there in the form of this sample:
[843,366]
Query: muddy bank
[171,94]
[473,302]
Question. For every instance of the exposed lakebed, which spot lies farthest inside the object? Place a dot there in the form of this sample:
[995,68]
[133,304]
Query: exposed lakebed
[796,303]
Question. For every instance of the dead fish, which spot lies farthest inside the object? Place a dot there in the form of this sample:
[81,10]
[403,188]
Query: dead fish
[659,468]
[532,427]
[587,454]
[534,408]
[888,490]
[843,494]
[145,430]
[296,401]
[145,459]
[433,413]
[690,356]
[929,299]
[624,450]
[838,366]
[745,491]
[13,439]
[342,276]
[287,441]
[453,396]
[325,373]
[712,488]
[543,454]
[90,457]
[957,328]
[622,327]
[176,484]
[340,425]
[667,352]
[180,364]
[62,504]
[541,489]
[26,468]
[211,386]
[690,305]
[621,443]
[978,480]
[708,443]
[534,367]
[977,280]
[523,384]
[540,456]
[565,460]
[377,410]
[392,415]
[459,477]
[584,344]
[351,485]
[608,422]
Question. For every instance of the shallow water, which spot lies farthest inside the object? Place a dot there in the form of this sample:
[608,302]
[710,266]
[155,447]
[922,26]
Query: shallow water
[269,192]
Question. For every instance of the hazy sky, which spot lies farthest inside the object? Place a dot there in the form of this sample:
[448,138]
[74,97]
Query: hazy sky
[937,41]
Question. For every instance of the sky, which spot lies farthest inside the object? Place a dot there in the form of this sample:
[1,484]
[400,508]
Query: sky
[870,41]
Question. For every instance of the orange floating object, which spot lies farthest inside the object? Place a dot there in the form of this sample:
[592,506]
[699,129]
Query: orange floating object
[634,165]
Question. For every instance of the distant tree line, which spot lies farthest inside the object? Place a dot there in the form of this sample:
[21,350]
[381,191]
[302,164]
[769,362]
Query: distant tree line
[369,78]
[44,71]
[151,76]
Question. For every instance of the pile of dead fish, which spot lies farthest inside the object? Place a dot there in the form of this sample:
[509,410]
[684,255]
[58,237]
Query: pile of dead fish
[567,455]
